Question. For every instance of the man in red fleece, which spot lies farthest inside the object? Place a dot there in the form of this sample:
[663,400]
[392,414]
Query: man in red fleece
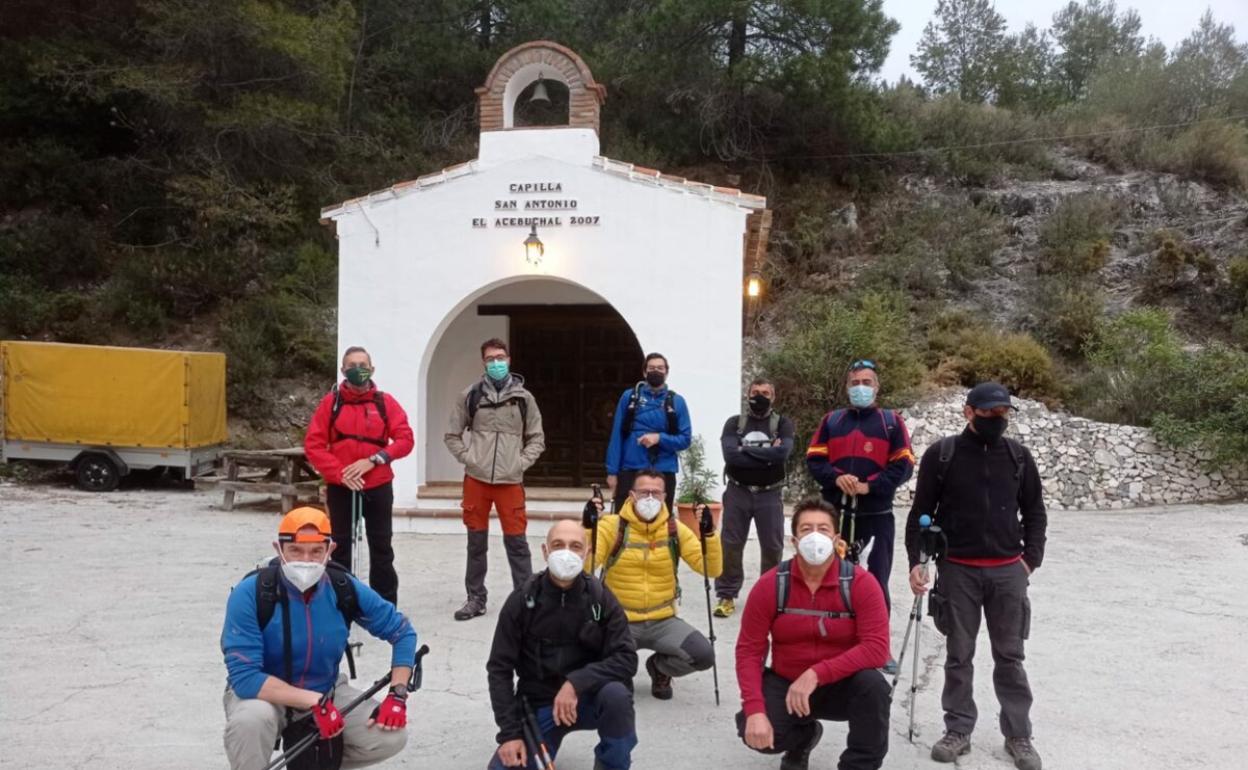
[825,652]
[355,433]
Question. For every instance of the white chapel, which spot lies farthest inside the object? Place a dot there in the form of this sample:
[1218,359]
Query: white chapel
[581,262]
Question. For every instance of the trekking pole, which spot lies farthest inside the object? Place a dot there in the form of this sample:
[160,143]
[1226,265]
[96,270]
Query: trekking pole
[541,753]
[595,500]
[706,584]
[354,647]
[926,532]
[915,618]
[357,524]
[304,743]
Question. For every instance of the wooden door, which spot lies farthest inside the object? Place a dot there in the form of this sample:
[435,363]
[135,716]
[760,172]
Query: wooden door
[576,360]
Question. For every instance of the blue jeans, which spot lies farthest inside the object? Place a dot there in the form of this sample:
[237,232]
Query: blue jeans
[609,711]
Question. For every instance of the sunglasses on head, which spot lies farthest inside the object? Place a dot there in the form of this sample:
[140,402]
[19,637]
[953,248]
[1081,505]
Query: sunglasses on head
[862,363]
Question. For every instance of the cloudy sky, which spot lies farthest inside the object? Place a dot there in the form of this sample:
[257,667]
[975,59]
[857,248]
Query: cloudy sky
[1167,20]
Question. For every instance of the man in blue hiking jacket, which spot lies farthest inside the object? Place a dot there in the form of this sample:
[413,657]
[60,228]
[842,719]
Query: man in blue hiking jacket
[285,632]
[651,426]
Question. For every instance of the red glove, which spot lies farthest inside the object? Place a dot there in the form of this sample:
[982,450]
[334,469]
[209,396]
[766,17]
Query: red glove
[392,712]
[328,720]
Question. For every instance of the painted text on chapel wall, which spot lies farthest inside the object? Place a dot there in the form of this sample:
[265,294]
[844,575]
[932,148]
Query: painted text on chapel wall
[538,204]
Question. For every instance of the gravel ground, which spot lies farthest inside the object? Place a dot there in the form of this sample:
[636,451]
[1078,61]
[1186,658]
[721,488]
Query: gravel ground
[113,608]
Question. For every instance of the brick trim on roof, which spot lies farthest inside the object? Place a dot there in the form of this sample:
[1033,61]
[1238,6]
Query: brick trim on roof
[585,97]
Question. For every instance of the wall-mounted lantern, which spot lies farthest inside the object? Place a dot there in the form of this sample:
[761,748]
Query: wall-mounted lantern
[754,285]
[533,248]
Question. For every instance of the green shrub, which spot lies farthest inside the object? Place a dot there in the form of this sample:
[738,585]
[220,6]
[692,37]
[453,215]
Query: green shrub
[819,342]
[1108,140]
[1239,329]
[1068,313]
[1208,405]
[949,122]
[963,350]
[1017,361]
[268,337]
[1214,152]
[1133,360]
[1237,273]
[961,237]
[1074,239]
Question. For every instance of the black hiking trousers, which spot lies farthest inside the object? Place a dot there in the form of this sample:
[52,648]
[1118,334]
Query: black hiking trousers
[379,531]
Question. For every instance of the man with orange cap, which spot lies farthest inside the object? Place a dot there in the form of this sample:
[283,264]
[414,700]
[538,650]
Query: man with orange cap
[286,627]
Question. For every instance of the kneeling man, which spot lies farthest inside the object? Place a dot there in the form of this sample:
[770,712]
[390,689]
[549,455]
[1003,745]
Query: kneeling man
[826,624]
[566,640]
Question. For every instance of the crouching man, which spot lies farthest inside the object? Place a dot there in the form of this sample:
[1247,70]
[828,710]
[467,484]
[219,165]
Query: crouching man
[567,642]
[285,633]
[826,624]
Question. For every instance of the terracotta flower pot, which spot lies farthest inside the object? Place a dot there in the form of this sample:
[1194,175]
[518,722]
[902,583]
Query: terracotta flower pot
[688,514]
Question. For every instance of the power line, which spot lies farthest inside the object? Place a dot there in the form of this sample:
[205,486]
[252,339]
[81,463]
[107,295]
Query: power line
[1006,142]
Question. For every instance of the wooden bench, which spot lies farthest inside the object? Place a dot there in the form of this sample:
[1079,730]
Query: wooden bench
[284,472]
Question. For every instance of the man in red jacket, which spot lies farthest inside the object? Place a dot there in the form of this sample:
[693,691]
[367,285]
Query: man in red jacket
[828,634]
[355,433]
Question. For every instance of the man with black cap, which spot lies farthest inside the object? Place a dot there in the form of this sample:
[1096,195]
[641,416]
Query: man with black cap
[756,444]
[984,492]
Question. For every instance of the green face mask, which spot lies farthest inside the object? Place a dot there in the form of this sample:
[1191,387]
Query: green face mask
[497,369]
[359,375]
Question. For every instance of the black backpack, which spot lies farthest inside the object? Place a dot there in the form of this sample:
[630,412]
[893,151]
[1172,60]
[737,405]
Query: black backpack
[473,403]
[271,591]
[784,577]
[673,548]
[379,400]
[593,588]
[949,445]
[773,425]
[630,411]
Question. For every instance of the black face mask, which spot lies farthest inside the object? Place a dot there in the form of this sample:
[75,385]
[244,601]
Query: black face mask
[760,404]
[655,379]
[990,429]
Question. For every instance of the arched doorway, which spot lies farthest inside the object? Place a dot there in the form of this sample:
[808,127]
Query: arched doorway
[576,354]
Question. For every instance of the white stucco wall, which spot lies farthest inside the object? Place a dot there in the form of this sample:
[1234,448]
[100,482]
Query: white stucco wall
[668,261]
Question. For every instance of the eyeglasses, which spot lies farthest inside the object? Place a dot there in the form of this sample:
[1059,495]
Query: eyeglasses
[642,494]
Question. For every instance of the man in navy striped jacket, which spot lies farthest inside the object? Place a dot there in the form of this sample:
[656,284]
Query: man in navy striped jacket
[863,452]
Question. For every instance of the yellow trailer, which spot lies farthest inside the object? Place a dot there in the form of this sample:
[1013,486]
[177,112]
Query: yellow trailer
[110,410]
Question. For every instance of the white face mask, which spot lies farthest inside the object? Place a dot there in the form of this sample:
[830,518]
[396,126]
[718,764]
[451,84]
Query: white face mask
[816,548]
[303,574]
[648,508]
[564,564]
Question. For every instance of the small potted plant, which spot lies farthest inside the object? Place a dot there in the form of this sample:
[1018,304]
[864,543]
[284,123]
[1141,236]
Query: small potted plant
[697,482]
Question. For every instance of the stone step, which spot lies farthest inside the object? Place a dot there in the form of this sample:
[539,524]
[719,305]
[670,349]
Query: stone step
[446,495]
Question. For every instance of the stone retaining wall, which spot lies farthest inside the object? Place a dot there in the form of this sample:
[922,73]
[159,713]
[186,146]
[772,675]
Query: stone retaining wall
[1086,464]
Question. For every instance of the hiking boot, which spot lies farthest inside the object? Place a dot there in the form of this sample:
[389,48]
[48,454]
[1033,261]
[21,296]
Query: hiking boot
[725,607]
[660,683]
[799,759]
[951,746]
[473,607]
[890,668]
[1023,753]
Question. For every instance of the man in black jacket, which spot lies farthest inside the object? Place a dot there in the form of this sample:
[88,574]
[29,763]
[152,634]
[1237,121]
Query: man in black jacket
[984,492]
[566,639]
[756,444]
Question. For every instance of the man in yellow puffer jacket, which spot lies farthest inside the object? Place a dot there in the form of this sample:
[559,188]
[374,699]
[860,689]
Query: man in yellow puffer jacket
[640,571]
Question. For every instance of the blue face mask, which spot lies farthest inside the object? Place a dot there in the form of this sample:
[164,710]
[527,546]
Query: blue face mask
[861,396]
[497,369]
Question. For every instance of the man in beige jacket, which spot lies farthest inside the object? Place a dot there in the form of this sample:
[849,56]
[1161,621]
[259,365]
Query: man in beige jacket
[504,439]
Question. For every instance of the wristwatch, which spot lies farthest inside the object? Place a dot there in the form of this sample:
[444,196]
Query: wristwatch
[375,459]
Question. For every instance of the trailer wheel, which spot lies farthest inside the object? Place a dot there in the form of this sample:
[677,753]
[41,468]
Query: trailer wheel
[96,472]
